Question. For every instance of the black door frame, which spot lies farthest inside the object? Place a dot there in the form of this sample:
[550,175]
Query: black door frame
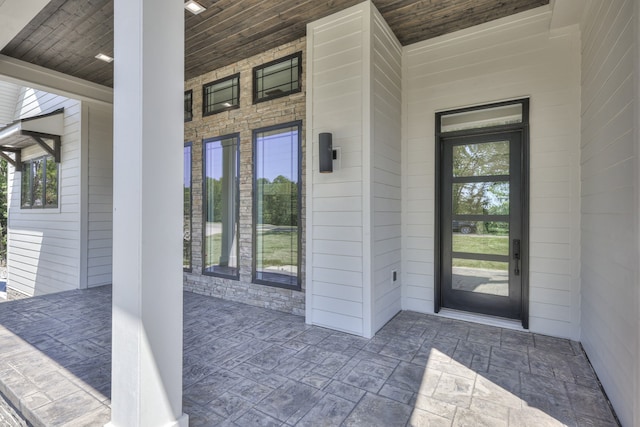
[523,127]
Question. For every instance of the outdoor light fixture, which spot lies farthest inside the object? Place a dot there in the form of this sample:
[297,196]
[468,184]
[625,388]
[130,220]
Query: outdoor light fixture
[194,7]
[326,152]
[103,57]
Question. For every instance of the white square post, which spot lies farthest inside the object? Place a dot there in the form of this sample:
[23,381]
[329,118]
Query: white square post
[147,219]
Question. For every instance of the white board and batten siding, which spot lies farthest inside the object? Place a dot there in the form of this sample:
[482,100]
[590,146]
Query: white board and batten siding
[510,58]
[44,244]
[609,211]
[354,68]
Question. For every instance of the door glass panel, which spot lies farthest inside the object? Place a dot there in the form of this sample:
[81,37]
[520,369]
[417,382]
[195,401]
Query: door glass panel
[480,237]
[486,277]
[489,158]
[480,198]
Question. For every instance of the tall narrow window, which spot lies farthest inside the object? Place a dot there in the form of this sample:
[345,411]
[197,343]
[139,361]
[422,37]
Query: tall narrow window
[39,185]
[221,95]
[221,190]
[188,106]
[187,200]
[276,205]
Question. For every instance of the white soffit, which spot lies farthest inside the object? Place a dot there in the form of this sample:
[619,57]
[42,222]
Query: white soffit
[15,15]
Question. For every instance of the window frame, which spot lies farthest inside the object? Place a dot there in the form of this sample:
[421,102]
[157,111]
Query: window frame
[206,86]
[254,208]
[190,110]
[26,166]
[205,202]
[190,268]
[254,78]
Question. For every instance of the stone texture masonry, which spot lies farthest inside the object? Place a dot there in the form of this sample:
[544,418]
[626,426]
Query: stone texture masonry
[242,120]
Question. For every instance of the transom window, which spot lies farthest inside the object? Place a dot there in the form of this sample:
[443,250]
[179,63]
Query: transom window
[188,106]
[221,201]
[39,185]
[221,95]
[276,206]
[277,78]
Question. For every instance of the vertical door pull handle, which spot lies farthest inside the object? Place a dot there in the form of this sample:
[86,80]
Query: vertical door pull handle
[516,256]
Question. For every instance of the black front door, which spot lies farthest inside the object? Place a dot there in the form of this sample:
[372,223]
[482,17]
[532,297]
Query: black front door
[481,222]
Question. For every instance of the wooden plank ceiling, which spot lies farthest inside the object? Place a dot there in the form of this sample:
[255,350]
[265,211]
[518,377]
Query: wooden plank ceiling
[67,34]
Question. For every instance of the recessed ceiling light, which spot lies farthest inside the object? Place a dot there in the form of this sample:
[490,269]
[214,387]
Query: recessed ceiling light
[103,57]
[194,7]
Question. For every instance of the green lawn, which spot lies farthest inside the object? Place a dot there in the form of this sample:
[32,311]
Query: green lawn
[278,248]
[484,244]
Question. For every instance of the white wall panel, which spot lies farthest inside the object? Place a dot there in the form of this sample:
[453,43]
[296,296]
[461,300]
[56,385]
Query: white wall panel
[510,58]
[609,162]
[44,244]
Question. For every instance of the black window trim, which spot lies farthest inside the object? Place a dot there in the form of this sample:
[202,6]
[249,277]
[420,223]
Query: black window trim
[206,113]
[204,205]
[254,208]
[190,269]
[254,79]
[190,92]
[26,166]
[526,219]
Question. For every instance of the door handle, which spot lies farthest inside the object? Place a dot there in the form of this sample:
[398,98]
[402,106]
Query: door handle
[516,256]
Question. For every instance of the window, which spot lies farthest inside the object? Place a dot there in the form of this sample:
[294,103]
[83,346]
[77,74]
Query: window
[277,78]
[276,205]
[188,106]
[221,200]
[187,198]
[221,95]
[39,187]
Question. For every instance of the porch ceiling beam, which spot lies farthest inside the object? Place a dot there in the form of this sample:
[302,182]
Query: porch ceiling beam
[41,78]
[15,14]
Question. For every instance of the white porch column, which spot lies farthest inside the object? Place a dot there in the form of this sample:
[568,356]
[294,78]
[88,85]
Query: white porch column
[147,221]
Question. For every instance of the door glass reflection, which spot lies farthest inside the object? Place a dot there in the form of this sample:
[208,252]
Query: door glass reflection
[480,198]
[486,277]
[486,159]
[480,237]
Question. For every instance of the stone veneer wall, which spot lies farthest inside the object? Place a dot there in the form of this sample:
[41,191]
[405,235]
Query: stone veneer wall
[243,120]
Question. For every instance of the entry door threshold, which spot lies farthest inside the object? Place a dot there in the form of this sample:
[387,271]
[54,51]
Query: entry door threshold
[482,319]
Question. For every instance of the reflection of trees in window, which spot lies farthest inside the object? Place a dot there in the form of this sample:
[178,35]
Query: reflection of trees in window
[39,183]
[277,205]
[490,197]
[186,236]
[221,206]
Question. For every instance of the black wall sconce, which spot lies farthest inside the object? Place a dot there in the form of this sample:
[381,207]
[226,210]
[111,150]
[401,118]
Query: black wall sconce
[326,152]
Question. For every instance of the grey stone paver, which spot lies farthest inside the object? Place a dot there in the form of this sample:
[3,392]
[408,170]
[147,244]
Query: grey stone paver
[247,366]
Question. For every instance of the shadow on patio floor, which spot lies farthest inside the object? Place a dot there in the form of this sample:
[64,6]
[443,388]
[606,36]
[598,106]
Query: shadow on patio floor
[245,366]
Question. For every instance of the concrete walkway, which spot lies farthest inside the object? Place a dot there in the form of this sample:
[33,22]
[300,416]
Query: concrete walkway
[247,366]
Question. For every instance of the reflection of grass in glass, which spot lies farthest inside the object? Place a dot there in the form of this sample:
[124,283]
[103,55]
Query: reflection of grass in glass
[213,248]
[480,244]
[278,248]
[473,263]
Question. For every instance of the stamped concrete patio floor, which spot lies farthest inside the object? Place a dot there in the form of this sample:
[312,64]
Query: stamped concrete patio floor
[249,366]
